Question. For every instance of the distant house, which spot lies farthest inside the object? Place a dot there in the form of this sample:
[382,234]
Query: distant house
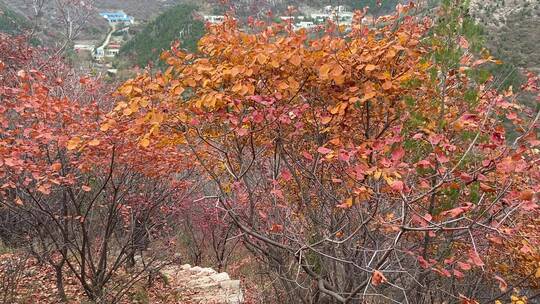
[84,45]
[304,25]
[112,50]
[98,53]
[320,17]
[214,19]
[117,17]
[287,18]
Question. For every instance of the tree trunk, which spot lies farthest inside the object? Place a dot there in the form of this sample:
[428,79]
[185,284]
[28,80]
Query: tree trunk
[60,283]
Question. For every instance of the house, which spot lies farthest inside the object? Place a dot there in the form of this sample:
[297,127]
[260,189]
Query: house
[304,24]
[112,50]
[84,45]
[98,53]
[287,18]
[214,19]
[320,17]
[117,17]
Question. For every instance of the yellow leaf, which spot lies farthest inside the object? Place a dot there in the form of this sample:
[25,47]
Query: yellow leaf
[127,111]
[93,142]
[296,60]
[126,90]
[73,143]
[325,120]
[348,203]
[377,175]
[324,70]
[370,67]
[283,86]
[104,127]
[387,85]
[261,58]
[537,274]
[144,102]
[145,142]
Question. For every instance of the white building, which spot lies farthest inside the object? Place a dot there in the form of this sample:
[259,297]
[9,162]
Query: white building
[82,46]
[117,17]
[304,25]
[214,19]
[98,53]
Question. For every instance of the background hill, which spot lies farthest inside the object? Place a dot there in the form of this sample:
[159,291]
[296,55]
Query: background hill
[512,29]
[148,42]
[10,21]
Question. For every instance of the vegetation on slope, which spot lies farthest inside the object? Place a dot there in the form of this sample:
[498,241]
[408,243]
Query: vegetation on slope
[10,21]
[176,23]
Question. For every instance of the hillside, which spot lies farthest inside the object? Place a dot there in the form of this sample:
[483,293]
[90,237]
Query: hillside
[157,35]
[513,30]
[10,21]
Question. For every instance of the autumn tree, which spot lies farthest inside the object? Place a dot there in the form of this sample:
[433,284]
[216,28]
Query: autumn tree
[369,165]
[80,197]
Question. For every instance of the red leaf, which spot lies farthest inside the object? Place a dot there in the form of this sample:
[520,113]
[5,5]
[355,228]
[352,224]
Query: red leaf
[377,278]
[398,154]
[464,266]
[456,211]
[397,186]
[307,156]
[503,286]
[45,189]
[458,274]
[324,150]
[476,259]
[286,175]
[423,263]
[495,240]
[276,228]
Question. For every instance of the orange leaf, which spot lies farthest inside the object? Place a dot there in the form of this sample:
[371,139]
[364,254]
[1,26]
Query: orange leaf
[86,188]
[73,143]
[145,142]
[261,58]
[377,278]
[276,228]
[296,60]
[348,203]
[370,67]
[45,189]
[324,70]
[526,195]
[18,201]
[56,166]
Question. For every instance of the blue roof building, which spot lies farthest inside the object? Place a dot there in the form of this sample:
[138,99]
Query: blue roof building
[117,17]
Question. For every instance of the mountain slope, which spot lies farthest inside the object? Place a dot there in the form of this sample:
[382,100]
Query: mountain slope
[175,23]
[513,28]
[10,21]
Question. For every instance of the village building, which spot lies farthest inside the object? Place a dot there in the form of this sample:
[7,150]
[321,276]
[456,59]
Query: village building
[214,19]
[117,17]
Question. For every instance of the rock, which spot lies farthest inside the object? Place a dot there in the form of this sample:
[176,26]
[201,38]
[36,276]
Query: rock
[203,285]
[220,277]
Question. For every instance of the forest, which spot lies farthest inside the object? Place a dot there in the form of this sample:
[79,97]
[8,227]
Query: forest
[389,163]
